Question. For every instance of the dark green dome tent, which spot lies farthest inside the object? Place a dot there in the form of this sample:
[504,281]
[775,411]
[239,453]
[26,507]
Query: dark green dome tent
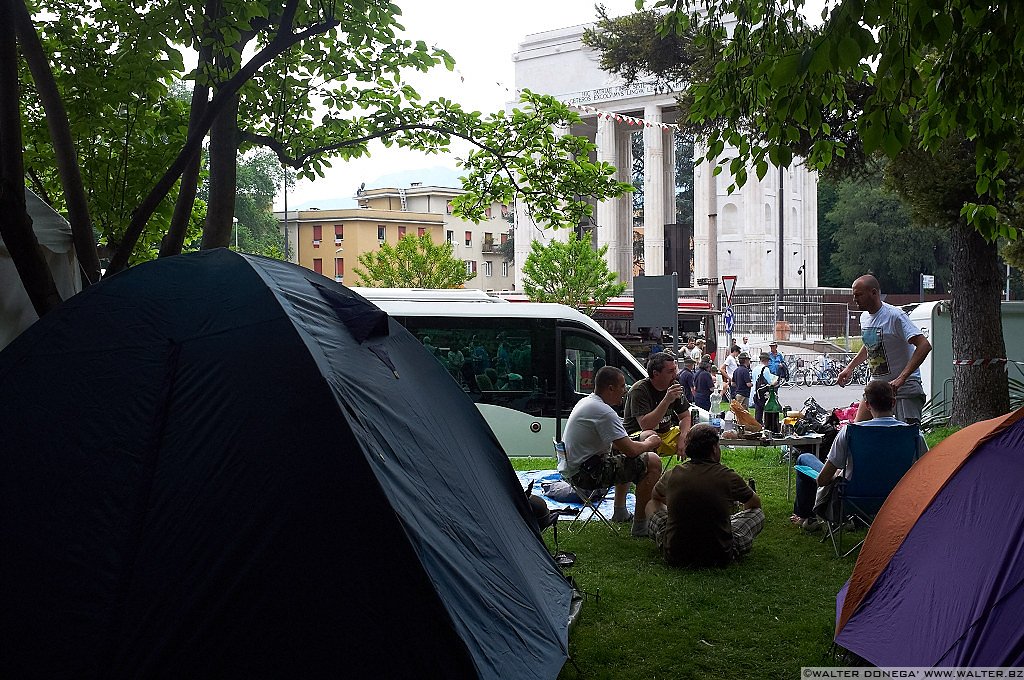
[219,465]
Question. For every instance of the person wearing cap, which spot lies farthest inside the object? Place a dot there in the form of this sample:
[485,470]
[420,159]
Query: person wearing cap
[763,377]
[685,377]
[742,378]
[690,510]
[776,361]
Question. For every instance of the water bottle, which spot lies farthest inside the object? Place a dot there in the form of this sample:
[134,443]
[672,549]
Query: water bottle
[730,421]
[694,416]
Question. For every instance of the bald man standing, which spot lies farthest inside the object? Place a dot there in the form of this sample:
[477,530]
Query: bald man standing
[894,349]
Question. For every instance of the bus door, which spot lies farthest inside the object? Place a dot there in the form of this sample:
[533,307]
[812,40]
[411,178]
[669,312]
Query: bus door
[579,354]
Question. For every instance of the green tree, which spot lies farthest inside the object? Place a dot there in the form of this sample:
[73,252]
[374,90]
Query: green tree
[312,82]
[874,232]
[416,262]
[877,78]
[570,272]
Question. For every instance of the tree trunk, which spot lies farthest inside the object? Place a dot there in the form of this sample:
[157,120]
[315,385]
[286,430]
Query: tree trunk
[220,208]
[63,146]
[979,392]
[15,224]
[174,239]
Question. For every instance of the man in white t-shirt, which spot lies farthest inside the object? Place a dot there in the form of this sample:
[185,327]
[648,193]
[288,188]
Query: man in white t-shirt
[599,453]
[894,349]
[731,364]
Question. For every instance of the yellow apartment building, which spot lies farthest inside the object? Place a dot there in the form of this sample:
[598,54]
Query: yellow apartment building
[330,241]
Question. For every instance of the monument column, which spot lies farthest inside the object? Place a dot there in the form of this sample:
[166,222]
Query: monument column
[624,230]
[654,192]
[608,210]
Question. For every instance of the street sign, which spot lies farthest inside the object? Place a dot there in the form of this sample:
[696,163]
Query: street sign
[928,281]
[729,319]
[707,282]
[729,282]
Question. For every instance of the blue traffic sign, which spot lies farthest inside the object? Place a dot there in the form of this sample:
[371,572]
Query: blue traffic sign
[729,319]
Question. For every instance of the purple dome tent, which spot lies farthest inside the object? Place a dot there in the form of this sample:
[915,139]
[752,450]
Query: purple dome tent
[939,579]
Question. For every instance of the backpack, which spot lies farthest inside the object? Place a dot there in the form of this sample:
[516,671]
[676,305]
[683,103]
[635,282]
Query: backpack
[761,386]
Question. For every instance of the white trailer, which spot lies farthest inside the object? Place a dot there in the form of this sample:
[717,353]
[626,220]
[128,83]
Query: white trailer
[933,318]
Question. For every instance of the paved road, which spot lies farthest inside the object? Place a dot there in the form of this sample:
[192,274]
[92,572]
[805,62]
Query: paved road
[828,397]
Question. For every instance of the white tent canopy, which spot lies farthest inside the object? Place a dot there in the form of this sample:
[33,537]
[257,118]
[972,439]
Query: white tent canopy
[54,235]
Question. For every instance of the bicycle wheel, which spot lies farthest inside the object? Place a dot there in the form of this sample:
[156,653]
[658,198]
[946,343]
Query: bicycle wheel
[806,377]
[831,377]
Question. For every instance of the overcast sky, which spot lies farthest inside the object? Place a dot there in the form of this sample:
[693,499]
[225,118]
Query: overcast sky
[482,37]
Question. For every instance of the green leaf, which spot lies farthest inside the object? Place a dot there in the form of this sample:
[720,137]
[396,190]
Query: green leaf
[849,52]
[785,70]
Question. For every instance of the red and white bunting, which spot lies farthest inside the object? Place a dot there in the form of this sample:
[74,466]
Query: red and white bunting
[628,120]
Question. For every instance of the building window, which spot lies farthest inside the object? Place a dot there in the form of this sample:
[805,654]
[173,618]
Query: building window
[448,207]
[504,239]
[421,231]
[380,232]
[318,265]
[504,211]
[504,268]
[318,233]
[339,268]
[487,212]
[488,268]
[469,238]
[401,233]
[450,235]
[339,234]
[470,267]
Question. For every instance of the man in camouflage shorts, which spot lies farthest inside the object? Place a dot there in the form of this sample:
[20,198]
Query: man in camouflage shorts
[599,453]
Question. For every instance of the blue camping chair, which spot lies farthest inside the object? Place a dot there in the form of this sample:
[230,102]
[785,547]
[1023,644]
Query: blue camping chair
[880,457]
[591,498]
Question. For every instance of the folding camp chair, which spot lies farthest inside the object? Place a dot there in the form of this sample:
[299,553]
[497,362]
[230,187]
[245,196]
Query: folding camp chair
[590,498]
[880,457]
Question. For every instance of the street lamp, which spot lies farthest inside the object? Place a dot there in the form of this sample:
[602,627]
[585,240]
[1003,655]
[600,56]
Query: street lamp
[802,271]
[234,226]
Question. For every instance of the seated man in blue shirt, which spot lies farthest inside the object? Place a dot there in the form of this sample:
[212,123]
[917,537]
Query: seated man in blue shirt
[881,400]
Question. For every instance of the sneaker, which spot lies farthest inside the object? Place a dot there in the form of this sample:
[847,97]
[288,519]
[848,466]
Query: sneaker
[752,485]
[811,524]
[639,529]
[622,515]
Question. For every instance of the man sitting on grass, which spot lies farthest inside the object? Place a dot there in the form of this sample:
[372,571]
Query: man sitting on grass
[881,400]
[690,511]
[590,463]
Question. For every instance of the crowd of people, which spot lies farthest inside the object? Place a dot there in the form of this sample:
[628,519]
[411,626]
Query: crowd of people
[700,512]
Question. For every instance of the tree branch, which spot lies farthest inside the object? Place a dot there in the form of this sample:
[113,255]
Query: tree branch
[281,43]
[63,145]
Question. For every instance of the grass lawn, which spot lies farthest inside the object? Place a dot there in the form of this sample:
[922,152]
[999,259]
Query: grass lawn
[764,617]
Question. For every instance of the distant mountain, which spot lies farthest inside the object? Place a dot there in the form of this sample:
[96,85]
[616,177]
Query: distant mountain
[438,176]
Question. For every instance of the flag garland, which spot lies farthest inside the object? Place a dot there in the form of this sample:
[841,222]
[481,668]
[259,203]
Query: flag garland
[628,120]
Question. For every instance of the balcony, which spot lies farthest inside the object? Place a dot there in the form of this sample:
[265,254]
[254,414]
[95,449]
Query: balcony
[488,246]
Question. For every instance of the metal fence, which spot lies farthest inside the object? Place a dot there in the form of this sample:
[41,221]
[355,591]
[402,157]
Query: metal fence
[806,320]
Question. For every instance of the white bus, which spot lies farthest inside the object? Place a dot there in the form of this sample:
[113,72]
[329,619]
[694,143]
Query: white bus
[524,364]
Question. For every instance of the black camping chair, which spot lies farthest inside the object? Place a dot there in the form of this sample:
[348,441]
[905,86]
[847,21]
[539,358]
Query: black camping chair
[590,498]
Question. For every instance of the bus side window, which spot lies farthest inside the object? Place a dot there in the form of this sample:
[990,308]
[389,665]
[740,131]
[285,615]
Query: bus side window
[583,357]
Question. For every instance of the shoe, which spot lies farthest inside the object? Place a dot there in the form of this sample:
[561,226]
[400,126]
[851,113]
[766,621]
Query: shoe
[639,529]
[622,515]
[796,519]
[811,524]
[752,485]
